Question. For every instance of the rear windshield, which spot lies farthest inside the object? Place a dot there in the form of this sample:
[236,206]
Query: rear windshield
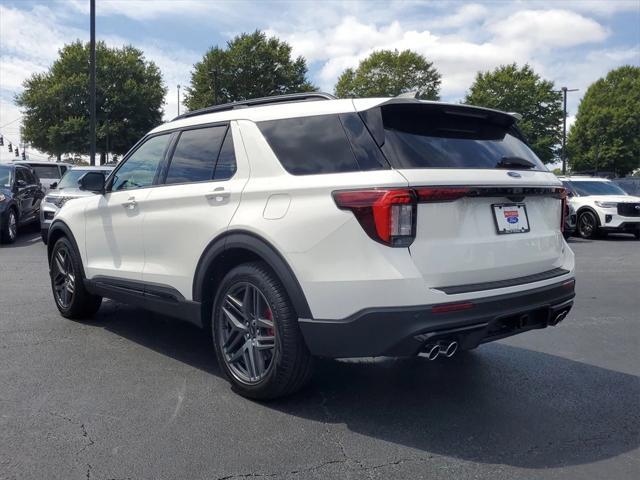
[439,136]
[46,171]
[586,188]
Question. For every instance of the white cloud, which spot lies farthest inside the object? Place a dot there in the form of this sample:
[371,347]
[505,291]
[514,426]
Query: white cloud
[548,29]
[469,13]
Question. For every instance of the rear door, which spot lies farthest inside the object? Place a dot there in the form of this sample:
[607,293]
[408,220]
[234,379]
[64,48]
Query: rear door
[490,210]
[199,193]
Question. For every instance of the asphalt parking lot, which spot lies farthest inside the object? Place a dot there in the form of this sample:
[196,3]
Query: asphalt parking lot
[137,395]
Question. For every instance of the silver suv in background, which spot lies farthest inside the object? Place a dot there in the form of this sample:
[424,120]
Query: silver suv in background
[66,189]
[49,173]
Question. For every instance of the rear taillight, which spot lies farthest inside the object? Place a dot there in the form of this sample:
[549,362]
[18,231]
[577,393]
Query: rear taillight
[388,216]
[564,209]
[441,194]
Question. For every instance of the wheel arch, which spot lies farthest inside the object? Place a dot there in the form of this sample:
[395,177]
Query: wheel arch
[232,249]
[57,230]
[587,208]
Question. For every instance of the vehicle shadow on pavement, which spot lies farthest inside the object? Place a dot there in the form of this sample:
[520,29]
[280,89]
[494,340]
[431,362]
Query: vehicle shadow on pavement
[27,236]
[497,405]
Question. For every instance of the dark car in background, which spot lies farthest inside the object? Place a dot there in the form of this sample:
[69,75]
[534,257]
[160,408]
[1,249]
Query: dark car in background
[20,196]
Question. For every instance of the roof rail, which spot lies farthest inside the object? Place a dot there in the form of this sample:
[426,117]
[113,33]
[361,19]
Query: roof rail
[291,97]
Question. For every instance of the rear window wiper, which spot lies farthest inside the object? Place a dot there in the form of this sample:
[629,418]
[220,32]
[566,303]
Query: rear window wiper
[515,163]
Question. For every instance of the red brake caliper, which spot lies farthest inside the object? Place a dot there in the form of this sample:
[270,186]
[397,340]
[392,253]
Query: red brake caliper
[269,316]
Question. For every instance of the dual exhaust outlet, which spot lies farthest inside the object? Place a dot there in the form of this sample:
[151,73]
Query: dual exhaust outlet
[445,348]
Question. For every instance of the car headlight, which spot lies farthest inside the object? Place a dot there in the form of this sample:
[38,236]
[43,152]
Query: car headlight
[606,204]
[57,201]
[3,197]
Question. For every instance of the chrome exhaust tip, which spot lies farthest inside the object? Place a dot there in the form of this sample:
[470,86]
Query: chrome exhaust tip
[559,317]
[431,351]
[449,349]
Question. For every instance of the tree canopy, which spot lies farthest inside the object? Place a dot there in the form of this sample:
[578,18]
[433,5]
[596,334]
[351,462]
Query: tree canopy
[521,90]
[388,73]
[251,66]
[129,99]
[606,133]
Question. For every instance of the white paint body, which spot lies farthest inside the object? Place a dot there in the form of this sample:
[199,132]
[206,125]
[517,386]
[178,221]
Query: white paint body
[340,269]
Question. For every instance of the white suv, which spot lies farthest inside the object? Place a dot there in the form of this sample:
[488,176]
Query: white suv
[301,226]
[602,206]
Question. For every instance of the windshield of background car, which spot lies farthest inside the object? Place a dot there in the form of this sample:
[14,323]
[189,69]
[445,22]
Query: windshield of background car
[587,188]
[5,177]
[436,136]
[46,171]
[70,179]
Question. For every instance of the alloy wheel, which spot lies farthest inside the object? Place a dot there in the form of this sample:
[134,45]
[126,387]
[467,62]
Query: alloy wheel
[587,225]
[247,333]
[63,277]
[13,226]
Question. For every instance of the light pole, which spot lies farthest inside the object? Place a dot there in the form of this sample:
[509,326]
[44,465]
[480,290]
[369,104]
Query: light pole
[92,84]
[178,99]
[564,91]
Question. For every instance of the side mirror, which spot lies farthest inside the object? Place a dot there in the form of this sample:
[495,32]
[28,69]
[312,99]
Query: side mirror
[21,183]
[92,182]
[53,185]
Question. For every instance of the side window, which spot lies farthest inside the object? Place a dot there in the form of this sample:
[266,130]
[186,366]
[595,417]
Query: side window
[140,168]
[21,175]
[310,145]
[226,166]
[31,178]
[194,158]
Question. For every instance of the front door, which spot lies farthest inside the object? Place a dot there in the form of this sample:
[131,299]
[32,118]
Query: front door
[114,240]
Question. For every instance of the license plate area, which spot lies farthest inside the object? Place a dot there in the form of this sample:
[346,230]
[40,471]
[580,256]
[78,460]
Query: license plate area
[510,218]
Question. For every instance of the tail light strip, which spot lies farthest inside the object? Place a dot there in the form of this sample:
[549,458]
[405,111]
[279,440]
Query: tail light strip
[388,215]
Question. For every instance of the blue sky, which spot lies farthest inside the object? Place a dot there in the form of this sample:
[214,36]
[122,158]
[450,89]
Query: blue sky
[572,43]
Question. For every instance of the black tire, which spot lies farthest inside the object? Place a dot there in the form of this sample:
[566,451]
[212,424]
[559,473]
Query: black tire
[65,270]
[289,361]
[587,226]
[9,227]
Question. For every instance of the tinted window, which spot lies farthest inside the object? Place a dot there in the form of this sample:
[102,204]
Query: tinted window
[46,171]
[422,136]
[368,155]
[226,166]
[31,178]
[21,174]
[310,145]
[194,158]
[140,168]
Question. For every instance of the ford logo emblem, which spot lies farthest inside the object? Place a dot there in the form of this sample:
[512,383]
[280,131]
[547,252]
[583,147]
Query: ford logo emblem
[514,174]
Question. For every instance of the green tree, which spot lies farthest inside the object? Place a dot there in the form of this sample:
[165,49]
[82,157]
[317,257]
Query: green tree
[129,99]
[606,133]
[252,65]
[388,73]
[521,90]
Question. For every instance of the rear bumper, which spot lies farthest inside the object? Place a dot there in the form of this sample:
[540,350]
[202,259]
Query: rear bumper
[404,331]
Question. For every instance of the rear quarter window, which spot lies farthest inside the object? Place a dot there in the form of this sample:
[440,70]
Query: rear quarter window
[319,144]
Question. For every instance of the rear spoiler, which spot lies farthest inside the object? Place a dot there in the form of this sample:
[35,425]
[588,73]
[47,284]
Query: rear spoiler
[373,116]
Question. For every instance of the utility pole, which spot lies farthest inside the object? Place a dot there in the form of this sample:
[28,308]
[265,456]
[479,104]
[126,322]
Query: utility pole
[178,99]
[92,83]
[564,91]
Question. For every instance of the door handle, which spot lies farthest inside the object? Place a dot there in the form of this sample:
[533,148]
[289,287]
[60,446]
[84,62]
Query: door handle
[130,204]
[218,195]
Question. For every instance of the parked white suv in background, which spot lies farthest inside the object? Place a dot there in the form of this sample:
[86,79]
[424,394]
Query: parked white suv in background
[602,206]
[301,226]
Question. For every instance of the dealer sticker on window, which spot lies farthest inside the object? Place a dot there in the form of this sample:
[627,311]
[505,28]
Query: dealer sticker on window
[511,218]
